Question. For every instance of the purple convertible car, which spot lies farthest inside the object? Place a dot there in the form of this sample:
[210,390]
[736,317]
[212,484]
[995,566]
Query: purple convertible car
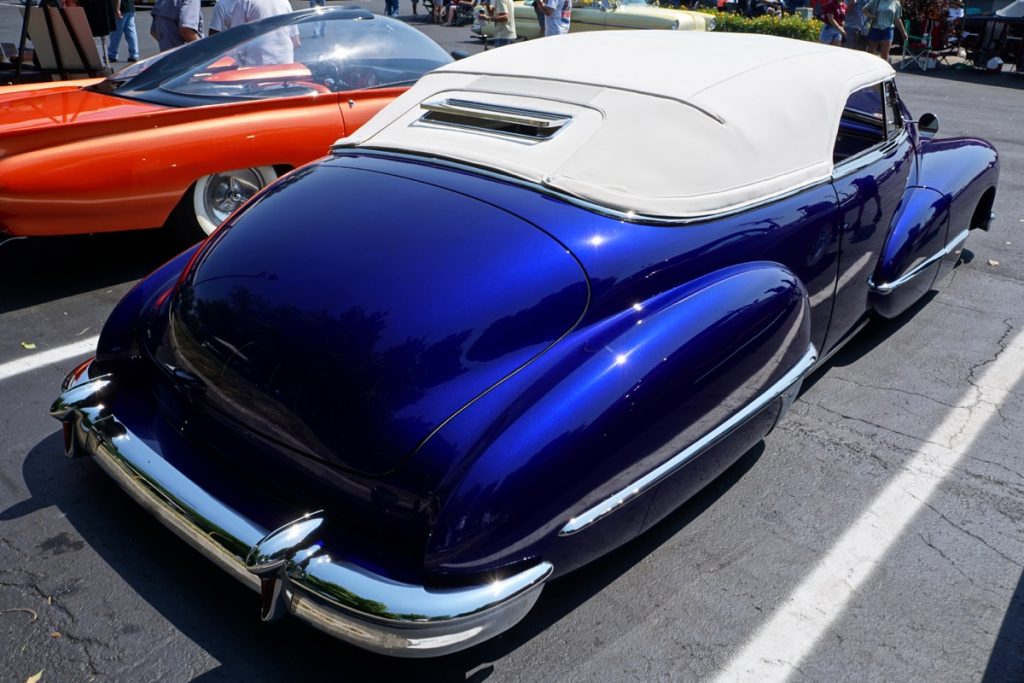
[525,312]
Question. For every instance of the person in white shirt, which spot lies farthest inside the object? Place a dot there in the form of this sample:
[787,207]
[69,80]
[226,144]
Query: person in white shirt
[222,16]
[556,16]
[276,47]
[228,13]
[504,21]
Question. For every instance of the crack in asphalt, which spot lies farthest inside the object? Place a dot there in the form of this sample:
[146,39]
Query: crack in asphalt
[966,531]
[977,397]
[52,600]
[896,390]
[1011,490]
[9,544]
[883,428]
[978,390]
[1002,343]
[960,307]
[943,555]
[995,464]
[85,643]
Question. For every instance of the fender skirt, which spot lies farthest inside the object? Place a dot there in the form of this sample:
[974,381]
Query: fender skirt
[918,246]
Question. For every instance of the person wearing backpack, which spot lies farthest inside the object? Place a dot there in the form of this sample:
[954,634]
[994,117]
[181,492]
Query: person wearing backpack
[833,14]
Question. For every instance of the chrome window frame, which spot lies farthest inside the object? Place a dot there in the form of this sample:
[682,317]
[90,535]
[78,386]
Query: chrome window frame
[882,149]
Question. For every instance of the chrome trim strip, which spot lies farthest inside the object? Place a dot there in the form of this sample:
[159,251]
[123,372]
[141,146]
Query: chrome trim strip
[652,478]
[691,105]
[868,156]
[335,596]
[5,240]
[493,112]
[617,214]
[887,287]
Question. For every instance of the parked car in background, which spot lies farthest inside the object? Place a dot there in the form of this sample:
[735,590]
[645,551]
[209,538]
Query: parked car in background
[507,326]
[597,15]
[183,138]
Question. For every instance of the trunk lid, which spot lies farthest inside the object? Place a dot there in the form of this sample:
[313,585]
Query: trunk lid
[347,314]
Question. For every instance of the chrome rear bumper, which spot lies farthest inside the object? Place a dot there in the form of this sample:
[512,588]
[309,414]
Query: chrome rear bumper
[289,566]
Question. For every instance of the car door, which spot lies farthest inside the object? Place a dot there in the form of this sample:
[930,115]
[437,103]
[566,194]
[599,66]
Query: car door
[873,162]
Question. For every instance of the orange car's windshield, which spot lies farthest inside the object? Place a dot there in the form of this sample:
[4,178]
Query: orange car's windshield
[299,53]
[314,56]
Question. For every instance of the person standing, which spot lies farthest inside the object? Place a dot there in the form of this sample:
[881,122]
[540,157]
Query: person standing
[557,14]
[538,10]
[854,24]
[319,27]
[504,21]
[832,33]
[275,47]
[126,28]
[224,16]
[176,22]
[885,16]
[230,13]
[102,17]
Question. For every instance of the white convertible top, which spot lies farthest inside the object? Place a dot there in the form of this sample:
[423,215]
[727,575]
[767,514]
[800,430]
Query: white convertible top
[670,124]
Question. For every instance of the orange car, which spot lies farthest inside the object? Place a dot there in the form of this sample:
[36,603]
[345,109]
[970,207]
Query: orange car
[184,138]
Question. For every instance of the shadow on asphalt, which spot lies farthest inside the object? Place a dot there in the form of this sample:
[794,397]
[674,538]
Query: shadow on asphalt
[873,335]
[1007,660]
[221,616]
[37,270]
[1010,80]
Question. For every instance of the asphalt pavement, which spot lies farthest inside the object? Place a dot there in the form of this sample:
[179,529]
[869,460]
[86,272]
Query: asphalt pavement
[876,534]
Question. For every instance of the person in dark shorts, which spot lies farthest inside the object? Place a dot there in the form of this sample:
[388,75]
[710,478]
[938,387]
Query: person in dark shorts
[886,17]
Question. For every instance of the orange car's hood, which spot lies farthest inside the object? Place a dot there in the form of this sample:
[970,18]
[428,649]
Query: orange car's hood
[24,110]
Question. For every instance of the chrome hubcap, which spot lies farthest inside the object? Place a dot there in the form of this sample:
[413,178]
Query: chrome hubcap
[228,191]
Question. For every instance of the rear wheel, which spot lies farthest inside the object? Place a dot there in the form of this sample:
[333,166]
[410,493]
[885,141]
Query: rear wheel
[216,196]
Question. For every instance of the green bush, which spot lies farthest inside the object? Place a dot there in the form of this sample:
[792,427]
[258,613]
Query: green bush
[791,26]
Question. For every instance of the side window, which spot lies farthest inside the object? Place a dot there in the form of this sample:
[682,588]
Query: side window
[893,115]
[863,123]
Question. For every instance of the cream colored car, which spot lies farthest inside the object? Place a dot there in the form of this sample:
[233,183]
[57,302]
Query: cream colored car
[595,15]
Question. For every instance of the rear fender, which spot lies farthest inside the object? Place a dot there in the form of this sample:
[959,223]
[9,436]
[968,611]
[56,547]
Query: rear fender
[611,403]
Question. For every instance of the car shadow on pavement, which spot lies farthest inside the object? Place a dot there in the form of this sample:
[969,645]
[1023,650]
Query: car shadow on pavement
[1006,79]
[221,616]
[1007,660]
[873,335]
[37,270]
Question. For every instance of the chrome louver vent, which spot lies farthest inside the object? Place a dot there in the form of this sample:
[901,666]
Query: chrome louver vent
[493,118]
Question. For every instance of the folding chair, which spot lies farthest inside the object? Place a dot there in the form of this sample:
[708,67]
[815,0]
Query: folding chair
[947,52]
[917,49]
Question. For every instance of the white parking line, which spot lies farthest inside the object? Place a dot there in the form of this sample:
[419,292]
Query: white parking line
[38,360]
[790,635]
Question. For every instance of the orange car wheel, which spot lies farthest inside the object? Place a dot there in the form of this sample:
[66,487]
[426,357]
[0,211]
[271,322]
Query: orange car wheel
[216,196]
